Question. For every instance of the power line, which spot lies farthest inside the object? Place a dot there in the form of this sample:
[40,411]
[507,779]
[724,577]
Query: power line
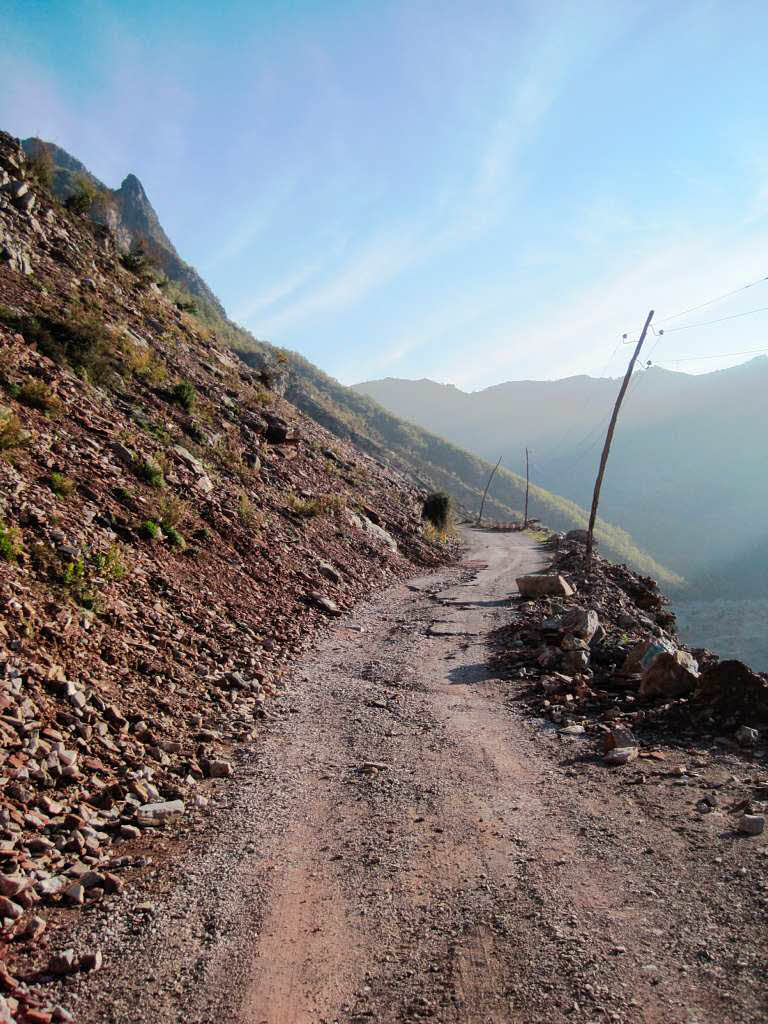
[720,355]
[707,323]
[692,309]
[553,446]
[717,298]
[594,430]
[632,387]
[610,358]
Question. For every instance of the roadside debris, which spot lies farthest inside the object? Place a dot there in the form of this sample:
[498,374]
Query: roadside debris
[601,654]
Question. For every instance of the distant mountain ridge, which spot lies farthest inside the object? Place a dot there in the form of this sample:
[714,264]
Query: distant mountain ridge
[128,214]
[688,473]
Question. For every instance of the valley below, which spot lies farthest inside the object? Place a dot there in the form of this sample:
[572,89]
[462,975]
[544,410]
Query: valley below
[731,627]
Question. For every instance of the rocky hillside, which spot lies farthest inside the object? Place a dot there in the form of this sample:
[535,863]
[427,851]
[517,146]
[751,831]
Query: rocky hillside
[172,533]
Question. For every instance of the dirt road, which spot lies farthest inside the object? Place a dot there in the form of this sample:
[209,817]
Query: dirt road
[405,845]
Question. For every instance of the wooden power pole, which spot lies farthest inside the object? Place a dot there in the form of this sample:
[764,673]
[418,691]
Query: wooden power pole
[607,445]
[527,487]
[485,492]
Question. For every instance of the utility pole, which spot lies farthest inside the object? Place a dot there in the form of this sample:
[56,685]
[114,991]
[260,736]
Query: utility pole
[485,492]
[527,487]
[607,445]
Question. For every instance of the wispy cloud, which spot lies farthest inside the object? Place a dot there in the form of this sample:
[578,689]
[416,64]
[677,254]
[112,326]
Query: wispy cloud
[470,201]
[374,264]
[254,220]
[275,293]
[460,213]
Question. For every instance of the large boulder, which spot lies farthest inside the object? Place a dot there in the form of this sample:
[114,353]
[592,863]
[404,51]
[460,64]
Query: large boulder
[190,461]
[581,622]
[277,430]
[670,675]
[732,690]
[374,531]
[550,585]
[641,656]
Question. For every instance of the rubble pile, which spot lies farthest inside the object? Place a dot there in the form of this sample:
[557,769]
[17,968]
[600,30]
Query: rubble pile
[172,533]
[602,658]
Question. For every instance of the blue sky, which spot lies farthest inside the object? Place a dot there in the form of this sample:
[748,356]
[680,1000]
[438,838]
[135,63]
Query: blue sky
[470,191]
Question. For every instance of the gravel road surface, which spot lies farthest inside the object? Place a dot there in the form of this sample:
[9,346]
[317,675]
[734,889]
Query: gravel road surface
[404,845]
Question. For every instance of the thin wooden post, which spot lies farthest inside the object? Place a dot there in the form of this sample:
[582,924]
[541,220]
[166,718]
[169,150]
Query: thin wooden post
[527,487]
[607,445]
[485,492]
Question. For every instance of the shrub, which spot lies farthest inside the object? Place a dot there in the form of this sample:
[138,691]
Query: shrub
[184,394]
[175,539]
[40,165]
[172,512]
[196,432]
[73,577]
[81,576]
[142,363]
[437,510]
[12,434]
[431,533]
[229,454]
[151,473]
[258,397]
[110,563]
[61,485]
[79,340]
[248,514]
[37,395]
[180,297]
[150,530]
[139,261]
[82,198]
[155,430]
[10,543]
[125,495]
[307,508]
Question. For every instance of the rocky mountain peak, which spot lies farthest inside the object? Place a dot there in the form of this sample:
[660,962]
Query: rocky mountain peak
[138,215]
[131,184]
[128,214]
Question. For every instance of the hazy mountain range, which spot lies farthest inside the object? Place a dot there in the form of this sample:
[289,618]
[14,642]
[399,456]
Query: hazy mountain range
[688,474]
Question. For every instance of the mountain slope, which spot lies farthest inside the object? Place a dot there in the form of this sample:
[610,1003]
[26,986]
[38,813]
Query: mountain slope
[172,535]
[429,459]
